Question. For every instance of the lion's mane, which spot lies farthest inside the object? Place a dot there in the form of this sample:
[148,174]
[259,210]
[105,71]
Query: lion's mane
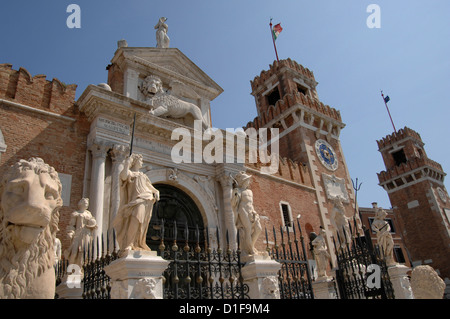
[19,268]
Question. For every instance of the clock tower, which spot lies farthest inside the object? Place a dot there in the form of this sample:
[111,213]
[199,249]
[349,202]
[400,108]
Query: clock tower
[286,98]
[415,186]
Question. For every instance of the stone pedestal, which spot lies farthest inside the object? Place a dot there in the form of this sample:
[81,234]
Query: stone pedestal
[323,288]
[70,289]
[137,275]
[400,281]
[261,275]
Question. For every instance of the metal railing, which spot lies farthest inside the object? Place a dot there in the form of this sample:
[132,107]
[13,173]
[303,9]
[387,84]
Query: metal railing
[355,260]
[198,270]
[294,277]
[96,283]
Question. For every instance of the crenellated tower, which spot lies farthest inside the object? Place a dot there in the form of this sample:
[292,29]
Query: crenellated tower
[415,186]
[286,98]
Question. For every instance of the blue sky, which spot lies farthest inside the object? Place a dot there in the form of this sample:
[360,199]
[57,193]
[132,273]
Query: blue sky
[407,58]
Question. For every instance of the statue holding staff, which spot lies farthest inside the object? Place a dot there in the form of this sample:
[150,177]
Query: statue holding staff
[137,196]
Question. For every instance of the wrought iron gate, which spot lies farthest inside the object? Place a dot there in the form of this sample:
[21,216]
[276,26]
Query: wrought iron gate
[294,277]
[198,271]
[356,260]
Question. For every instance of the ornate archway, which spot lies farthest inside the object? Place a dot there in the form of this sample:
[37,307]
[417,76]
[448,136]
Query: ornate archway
[174,206]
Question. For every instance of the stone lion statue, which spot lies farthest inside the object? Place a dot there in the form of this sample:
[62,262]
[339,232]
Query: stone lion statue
[30,196]
[426,283]
[167,105]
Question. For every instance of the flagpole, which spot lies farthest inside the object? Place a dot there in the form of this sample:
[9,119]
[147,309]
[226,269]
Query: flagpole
[273,40]
[387,108]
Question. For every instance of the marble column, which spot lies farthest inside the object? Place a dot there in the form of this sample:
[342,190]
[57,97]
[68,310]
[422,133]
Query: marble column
[118,155]
[227,191]
[97,186]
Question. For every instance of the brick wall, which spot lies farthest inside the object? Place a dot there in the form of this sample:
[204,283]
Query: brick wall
[268,192]
[58,137]
[424,230]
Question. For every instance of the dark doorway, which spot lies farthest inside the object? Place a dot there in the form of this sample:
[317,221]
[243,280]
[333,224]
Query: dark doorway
[174,206]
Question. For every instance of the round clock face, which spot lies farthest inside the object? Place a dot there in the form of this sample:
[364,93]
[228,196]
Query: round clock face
[326,155]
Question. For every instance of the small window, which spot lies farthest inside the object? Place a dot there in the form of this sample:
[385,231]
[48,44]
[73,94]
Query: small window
[399,157]
[286,215]
[398,254]
[302,89]
[273,97]
[391,224]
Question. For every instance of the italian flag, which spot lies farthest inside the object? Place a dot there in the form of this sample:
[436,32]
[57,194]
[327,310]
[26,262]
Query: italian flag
[276,31]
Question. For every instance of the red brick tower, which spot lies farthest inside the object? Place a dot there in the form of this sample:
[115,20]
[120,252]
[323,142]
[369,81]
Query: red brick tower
[415,185]
[286,98]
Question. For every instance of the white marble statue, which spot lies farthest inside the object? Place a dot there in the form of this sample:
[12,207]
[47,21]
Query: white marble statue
[162,39]
[30,197]
[167,105]
[321,254]
[384,237]
[137,196]
[340,221]
[80,232]
[246,218]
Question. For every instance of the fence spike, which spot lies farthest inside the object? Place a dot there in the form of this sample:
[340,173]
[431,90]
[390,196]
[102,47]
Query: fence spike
[98,247]
[274,236]
[207,237]
[217,236]
[197,234]
[299,228]
[350,227]
[293,228]
[107,242]
[175,231]
[114,240]
[102,246]
[287,233]
[186,231]
[162,229]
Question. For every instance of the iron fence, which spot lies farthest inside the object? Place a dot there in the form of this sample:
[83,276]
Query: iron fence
[356,258]
[96,283]
[294,277]
[199,271]
[60,270]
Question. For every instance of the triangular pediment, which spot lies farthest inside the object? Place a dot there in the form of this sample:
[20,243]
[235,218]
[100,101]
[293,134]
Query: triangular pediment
[170,64]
